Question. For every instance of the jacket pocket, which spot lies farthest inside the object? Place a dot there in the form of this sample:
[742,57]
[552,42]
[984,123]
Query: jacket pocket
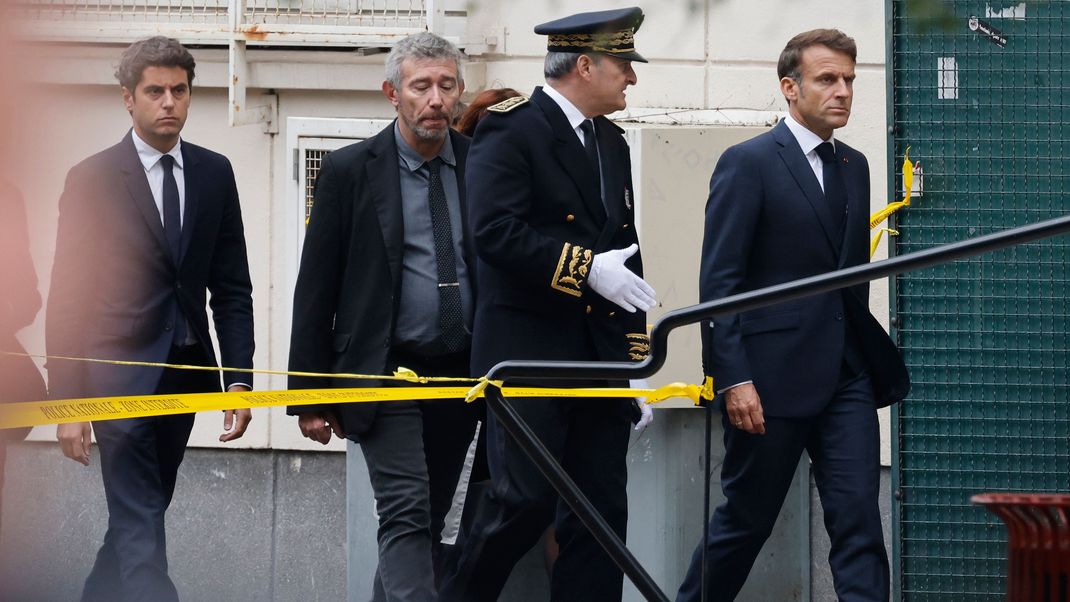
[783,321]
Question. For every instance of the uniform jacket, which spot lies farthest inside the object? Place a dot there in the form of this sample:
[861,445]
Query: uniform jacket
[345,302]
[115,285]
[767,222]
[538,220]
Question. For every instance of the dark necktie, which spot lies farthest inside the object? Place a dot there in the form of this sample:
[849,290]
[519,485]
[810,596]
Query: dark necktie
[172,227]
[172,217]
[449,289]
[590,145]
[835,188]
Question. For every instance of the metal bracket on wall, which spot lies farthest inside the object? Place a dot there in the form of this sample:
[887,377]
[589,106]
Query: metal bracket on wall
[238,111]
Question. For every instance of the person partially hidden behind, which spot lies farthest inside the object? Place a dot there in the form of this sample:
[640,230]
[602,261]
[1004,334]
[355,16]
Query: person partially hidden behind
[807,374]
[147,228]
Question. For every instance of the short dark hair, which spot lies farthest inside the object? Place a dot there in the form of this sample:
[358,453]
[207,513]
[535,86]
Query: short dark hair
[791,56]
[157,51]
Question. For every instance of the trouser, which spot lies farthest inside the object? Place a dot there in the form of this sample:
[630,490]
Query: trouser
[139,460]
[415,451]
[843,444]
[589,437]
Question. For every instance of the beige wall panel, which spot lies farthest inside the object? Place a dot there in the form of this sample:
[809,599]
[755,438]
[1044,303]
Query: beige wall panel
[748,30]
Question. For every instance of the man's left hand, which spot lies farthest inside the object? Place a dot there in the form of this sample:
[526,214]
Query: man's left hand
[646,411]
[236,421]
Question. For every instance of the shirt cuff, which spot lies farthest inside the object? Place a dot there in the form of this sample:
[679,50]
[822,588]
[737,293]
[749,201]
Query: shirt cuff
[746,382]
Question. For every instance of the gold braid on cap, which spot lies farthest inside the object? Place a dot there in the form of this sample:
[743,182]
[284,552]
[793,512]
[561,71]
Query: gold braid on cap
[621,41]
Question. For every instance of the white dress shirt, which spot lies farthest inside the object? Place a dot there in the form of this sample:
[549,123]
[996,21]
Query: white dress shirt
[150,160]
[809,142]
[575,116]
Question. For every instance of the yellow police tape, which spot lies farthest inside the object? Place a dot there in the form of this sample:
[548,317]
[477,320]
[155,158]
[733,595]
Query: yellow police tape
[891,208]
[39,413]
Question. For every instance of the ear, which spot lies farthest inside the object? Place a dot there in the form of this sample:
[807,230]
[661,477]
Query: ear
[128,100]
[391,93]
[584,65]
[790,89]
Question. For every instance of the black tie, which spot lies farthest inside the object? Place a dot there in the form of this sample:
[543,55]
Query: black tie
[590,144]
[835,188]
[172,227]
[450,321]
[172,217]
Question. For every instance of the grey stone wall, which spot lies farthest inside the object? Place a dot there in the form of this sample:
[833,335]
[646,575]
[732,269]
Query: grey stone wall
[244,525]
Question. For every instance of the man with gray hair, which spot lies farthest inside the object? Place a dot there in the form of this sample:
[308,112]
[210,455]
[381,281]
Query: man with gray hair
[560,278]
[386,281]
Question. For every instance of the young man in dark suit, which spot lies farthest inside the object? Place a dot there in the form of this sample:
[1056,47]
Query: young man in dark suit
[387,280]
[807,374]
[560,278]
[147,228]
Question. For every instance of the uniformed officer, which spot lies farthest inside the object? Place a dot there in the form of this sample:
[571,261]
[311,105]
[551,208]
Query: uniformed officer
[560,278]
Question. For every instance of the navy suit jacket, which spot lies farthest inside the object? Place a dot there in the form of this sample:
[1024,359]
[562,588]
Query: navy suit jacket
[115,285]
[767,222]
[538,219]
[349,284]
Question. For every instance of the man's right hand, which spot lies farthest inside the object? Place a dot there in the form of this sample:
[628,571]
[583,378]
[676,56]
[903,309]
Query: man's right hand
[744,409]
[318,426]
[614,281]
[74,439]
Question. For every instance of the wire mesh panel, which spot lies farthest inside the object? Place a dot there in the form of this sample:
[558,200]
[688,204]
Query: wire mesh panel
[980,94]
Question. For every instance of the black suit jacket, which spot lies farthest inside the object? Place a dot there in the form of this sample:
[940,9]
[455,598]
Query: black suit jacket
[115,285]
[767,222]
[538,220]
[345,302]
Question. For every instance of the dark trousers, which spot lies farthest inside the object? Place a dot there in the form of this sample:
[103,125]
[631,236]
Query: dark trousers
[139,460]
[843,444]
[589,437]
[415,451]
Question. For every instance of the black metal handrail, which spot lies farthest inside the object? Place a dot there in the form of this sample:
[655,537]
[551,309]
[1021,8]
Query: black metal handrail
[821,283]
[531,369]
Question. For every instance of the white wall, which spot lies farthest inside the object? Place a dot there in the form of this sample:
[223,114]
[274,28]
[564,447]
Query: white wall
[713,62]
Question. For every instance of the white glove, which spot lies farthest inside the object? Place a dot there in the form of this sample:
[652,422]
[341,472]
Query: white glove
[647,411]
[611,279]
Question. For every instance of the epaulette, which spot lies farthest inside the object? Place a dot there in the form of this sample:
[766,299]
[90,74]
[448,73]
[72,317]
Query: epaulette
[508,104]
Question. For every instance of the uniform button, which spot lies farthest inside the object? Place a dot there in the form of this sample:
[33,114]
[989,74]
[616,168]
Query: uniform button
[588,309]
[178,285]
[839,315]
[570,218]
[624,227]
[168,326]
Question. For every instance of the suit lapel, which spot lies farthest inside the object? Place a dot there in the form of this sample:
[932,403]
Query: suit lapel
[460,153]
[385,190]
[856,205]
[137,186]
[612,171]
[189,219]
[570,154]
[793,157]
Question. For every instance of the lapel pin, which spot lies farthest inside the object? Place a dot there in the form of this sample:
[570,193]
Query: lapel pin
[845,159]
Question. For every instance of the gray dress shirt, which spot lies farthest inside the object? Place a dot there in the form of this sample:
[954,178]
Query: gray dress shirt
[417,330]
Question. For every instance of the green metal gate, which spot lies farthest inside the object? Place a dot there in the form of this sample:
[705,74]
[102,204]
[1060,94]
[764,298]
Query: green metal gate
[980,91]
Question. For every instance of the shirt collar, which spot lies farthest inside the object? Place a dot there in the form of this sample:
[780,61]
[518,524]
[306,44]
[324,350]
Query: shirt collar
[807,140]
[150,156]
[575,116]
[413,160]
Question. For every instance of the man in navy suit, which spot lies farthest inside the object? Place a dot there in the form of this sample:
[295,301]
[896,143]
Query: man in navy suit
[146,229]
[807,374]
